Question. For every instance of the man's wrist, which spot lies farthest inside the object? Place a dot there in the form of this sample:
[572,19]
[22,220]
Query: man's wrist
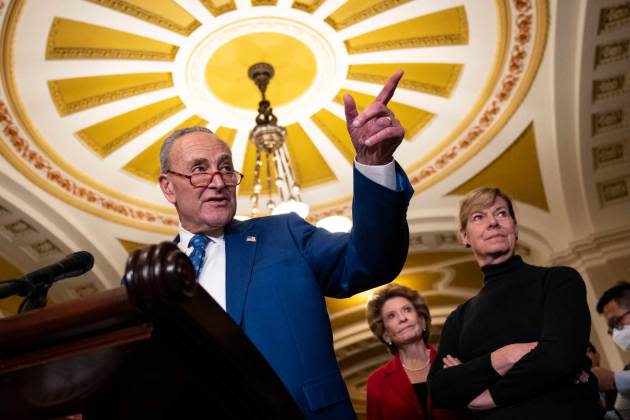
[373,161]
[384,175]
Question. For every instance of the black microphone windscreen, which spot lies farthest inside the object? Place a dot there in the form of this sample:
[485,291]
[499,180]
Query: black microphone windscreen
[78,263]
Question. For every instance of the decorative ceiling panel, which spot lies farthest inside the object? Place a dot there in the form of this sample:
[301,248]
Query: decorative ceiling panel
[311,168]
[165,13]
[109,135]
[451,107]
[227,134]
[308,6]
[516,171]
[334,128]
[147,164]
[448,27]
[71,39]
[218,7]
[432,78]
[80,93]
[354,11]
[412,118]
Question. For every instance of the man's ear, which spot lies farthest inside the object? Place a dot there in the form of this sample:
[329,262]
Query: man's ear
[167,189]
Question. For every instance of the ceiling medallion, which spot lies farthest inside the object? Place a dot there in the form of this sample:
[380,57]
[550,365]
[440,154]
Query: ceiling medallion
[197,66]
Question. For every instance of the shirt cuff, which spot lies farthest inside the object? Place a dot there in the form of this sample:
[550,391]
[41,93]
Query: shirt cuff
[384,175]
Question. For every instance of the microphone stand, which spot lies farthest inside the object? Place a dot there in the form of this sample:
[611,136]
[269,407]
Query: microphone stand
[34,286]
[36,294]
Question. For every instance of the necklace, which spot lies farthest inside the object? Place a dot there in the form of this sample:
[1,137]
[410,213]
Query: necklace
[416,369]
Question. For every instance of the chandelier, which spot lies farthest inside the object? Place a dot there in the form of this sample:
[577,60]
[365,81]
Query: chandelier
[270,141]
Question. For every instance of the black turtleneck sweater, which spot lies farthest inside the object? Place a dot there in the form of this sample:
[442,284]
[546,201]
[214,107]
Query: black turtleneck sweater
[520,303]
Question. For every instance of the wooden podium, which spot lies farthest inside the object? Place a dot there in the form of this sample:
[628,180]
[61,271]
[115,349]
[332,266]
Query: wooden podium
[159,348]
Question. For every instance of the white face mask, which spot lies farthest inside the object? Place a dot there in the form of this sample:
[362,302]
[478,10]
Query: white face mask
[622,337]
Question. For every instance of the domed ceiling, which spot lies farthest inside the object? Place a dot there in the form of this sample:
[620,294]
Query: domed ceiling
[491,95]
[96,86]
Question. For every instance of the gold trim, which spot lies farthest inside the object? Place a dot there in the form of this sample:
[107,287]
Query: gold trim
[264,2]
[528,75]
[436,78]
[503,14]
[62,53]
[66,108]
[218,10]
[148,16]
[67,189]
[407,37]
[418,86]
[413,119]
[308,8]
[323,119]
[516,171]
[83,29]
[114,144]
[417,42]
[363,14]
[17,108]
[480,140]
[149,169]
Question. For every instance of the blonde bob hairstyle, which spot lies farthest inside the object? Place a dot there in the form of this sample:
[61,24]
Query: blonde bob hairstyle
[374,311]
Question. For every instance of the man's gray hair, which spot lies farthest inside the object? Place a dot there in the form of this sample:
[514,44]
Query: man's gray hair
[165,150]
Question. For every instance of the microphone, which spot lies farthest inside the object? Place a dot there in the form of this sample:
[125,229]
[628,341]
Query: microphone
[34,286]
[71,266]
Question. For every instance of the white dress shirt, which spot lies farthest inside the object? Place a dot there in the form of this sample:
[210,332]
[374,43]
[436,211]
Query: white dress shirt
[212,274]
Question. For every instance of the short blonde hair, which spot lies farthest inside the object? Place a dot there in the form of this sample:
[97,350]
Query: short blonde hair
[374,311]
[481,198]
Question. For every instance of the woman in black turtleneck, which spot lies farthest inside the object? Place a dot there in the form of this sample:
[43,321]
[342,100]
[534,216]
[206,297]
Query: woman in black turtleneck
[516,350]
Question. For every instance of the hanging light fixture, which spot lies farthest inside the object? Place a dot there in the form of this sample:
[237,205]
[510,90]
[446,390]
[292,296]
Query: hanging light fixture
[270,141]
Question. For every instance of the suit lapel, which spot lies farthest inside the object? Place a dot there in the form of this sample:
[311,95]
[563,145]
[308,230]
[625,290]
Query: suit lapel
[398,380]
[240,249]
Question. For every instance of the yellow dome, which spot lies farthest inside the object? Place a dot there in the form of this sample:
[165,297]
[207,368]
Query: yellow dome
[294,64]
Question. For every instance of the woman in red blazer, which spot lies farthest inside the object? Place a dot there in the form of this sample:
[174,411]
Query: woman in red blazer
[400,318]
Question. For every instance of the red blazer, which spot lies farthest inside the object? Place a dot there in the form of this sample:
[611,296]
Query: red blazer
[390,395]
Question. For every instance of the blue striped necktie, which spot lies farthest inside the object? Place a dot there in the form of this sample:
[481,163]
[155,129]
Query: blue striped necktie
[199,243]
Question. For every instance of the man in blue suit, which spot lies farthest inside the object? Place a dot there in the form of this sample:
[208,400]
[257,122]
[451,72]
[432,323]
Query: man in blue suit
[271,273]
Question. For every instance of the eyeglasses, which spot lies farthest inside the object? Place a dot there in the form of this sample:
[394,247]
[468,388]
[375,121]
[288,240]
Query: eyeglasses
[616,323]
[203,179]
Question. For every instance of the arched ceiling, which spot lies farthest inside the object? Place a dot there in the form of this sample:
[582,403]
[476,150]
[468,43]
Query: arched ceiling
[96,85]
[528,95]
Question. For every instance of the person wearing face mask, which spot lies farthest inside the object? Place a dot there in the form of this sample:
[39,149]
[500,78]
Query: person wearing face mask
[516,349]
[614,305]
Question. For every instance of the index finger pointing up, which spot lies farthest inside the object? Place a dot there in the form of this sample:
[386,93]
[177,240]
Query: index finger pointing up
[390,87]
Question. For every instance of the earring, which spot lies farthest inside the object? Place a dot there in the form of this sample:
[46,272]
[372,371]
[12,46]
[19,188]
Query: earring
[467,245]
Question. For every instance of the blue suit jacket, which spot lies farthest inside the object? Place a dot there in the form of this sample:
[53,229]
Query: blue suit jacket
[275,286]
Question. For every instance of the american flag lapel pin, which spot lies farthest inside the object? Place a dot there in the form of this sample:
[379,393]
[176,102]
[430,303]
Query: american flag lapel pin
[250,238]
